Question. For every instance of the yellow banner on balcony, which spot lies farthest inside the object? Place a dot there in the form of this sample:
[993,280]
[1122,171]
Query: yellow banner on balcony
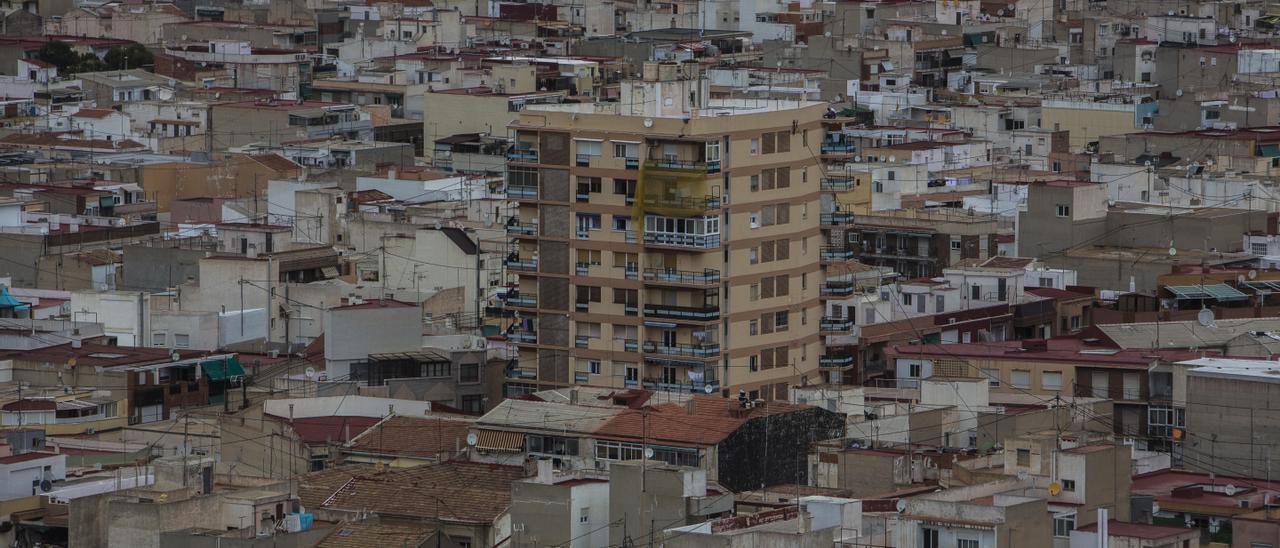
[671,188]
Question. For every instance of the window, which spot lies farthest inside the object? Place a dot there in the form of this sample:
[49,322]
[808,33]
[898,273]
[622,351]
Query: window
[438,369]
[1064,210]
[755,147]
[158,338]
[473,404]
[1024,457]
[1258,249]
[551,445]
[1068,485]
[588,294]
[1101,384]
[1021,378]
[993,377]
[929,538]
[955,245]
[469,372]
[966,543]
[584,515]
[1051,380]
[593,367]
[632,374]
[621,223]
[1063,524]
[626,150]
[780,321]
[626,187]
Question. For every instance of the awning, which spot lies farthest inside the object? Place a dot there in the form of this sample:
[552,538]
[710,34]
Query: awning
[1262,285]
[1221,292]
[7,300]
[498,440]
[222,369]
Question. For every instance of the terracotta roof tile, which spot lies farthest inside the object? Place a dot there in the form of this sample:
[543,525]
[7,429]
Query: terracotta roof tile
[713,419]
[413,436]
[455,491]
[362,534]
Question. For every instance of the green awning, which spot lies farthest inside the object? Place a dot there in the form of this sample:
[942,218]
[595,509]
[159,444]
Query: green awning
[222,369]
[1269,151]
[1221,292]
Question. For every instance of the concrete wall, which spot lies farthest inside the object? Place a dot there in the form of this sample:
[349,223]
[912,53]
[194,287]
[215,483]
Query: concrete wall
[1235,422]
[148,268]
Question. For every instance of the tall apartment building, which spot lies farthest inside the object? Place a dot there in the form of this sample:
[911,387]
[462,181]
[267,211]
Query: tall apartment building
[666,241]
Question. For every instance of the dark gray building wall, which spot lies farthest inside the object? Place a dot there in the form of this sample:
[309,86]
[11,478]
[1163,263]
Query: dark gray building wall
[1232,425]
[149,268]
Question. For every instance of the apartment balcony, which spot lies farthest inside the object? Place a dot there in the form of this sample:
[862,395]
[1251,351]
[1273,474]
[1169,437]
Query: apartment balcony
[631,271]
[522,336]
[583,160]
[696,166]
[631,163]
[523,300]
[831,147]
[676,239]
[837,288]
[690,387]
[706,278]
[698,203]
[523,374]
[835,325]
[683,313]
[838,218]
[524,155]
[835,253]
[700,351]
[582,341]
[498,312]
[835,361]
[837,184]
[630,345]
[524,265]
[518,229]
[899,253]
[522,192]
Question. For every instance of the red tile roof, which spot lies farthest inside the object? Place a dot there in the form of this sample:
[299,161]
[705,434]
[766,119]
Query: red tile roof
[1054,293]
[331,429]
[30,405]
[713,419]
[460,492]
[376,303]
[1061,349]
[1117,528]
[93,113]
[413,436]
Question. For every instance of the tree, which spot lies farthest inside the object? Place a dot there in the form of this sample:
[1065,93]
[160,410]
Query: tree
[87,63]
[131,56]
[58,53]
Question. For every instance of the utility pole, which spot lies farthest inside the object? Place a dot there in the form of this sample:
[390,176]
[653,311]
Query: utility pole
[186,424]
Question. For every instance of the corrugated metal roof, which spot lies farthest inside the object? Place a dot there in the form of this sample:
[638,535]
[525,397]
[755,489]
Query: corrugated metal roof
[537,415]
[1184,334]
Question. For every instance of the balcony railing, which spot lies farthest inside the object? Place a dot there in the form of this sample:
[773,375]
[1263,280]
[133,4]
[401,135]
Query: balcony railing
[836,289]
[498,312]
[837,184]
[632,163]
[630,345]
[829,147]
[631,271]
[686,165]
[835,253]
[522,191]
[523,229]
[582,341]
[838,361]
[689,313]
[528,265]
[704,241]
[683,277]
[685,350]
[685,202]
[521,374]
[695,387]
[582,269]
[523,300]
[837,218]
[835,324]
[523,336]
[523,155]
[583,160]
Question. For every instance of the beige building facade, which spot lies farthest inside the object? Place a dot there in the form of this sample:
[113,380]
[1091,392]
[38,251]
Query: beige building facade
[666,241]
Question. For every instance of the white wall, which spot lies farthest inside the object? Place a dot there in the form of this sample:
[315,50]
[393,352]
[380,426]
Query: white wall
[15,479]
[345,406]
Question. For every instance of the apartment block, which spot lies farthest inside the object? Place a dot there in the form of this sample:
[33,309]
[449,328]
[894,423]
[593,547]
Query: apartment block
[636,268]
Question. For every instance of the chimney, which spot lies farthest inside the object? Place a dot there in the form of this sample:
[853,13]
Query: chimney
[546,473]
[690,406]
[573,396]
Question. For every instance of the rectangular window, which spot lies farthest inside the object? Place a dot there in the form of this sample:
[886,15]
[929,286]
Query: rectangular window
[929,538]
[1021,378]
[993,377]
[1051,380]
[966,543]
[469,372]
[1024,457]
[593,367]
[1064,210]
[1068,485]
[1063,524]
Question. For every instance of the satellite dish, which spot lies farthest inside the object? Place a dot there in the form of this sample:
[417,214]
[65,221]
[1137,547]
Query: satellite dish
[174,356]
[1253,274]
[901,505]
[46,485]
[1155,507]
[310,372]
[164,497]
[1178,93]
[1055,488]
[1240,279]
[472,439]
[827,34]
[1173,251]
[1205,317]
[1230,489]
[648,452]
[708,389]
[648,122]
[71,361]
